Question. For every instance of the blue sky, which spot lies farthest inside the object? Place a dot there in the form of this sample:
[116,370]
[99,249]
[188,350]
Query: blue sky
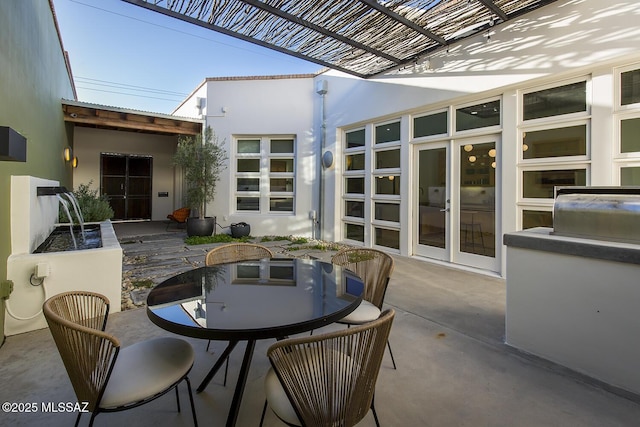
[127,56]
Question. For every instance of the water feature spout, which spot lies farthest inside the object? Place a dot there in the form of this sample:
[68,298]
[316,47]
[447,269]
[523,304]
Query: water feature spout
[50,191]
[76,207]
[65,205]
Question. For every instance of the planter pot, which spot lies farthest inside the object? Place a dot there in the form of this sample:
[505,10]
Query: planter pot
[201,227]
[240,229]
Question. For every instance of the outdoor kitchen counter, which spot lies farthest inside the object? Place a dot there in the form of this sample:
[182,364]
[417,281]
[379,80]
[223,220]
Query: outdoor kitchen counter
[575,302]
[544,239]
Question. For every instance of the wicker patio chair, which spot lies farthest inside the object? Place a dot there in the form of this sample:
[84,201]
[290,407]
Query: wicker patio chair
[105,375]
[375,268]
[234,252]
[327,379]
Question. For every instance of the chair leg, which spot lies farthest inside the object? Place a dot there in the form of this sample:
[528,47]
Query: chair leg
[78,419]
[177,397]
[93,416]
[193,407]
[391,353]
[264,411]
[208,343]
[373,409]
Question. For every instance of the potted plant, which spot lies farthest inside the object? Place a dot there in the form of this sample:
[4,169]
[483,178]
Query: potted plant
[202,159]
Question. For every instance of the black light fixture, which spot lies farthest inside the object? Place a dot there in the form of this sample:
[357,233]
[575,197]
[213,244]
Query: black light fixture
[13,146]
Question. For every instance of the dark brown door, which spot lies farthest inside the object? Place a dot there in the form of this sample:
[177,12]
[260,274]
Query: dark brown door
[126,181]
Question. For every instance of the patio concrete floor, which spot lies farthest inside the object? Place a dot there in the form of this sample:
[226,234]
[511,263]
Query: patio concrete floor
[447,338]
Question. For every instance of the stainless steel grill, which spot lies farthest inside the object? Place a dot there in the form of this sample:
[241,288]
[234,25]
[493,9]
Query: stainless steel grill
[602,213]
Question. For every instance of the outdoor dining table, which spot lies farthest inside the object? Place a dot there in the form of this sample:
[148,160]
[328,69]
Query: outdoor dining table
[252,300]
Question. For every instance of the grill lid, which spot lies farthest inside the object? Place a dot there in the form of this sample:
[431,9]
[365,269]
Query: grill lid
[602,213]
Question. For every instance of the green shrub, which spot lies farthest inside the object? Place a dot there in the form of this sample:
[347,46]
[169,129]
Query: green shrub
[93,207]
[218,238]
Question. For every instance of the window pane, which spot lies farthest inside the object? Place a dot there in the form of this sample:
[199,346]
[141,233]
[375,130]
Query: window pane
[388,159]
[281,184]
[248,184]
[630,135]
[569,141]
[388,238]
[531,219]
[388,185]
[355,185]
[387,212]
[282,145]
[540,184]
[248,165]
[630,87]
[355,138]
[434,124]
[388,132]
[630,176]
[353,208]
[281,165]
[570,98]
[478,116]
[354,232]
[248,204]
[248,146]
[355,162]
[281,204]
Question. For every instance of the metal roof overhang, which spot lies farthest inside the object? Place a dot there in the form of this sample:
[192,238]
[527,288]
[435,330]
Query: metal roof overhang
[360,37]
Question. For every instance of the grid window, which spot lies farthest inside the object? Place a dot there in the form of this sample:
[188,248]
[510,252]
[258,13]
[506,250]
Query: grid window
[388,159]
[265,174]
[478,116]
[354,232]
[630,175]
[532,219]
[387,133]
[355,162]
[557,142]
[354,208]
[355,139]
[630,135]
[630,87]
[541,184]
[389,185]
[433,124]
[571,98]
[387,238]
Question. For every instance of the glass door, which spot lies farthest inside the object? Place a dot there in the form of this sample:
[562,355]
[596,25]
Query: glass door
[126,181]
[475,205]
[433,202]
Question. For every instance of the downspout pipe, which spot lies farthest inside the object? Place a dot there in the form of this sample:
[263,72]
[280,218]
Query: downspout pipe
[321,89]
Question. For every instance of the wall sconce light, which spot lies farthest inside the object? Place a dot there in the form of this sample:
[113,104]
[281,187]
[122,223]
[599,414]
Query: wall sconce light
[472,159]
[468,147]
[68,154]
[525,147]
[13,146]
[74,162]
[492,152]
[391,177]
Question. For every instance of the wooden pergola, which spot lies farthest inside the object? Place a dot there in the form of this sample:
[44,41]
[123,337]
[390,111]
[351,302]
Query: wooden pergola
[105,117]
[360,37]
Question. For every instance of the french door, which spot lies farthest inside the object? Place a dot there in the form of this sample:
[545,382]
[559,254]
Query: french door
[456,202]
[126,181]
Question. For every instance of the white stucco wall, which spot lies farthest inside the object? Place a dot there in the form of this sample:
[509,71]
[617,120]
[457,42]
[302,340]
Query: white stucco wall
[89,143]
[263,107]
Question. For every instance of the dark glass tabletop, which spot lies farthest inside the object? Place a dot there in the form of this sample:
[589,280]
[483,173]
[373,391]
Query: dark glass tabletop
[250,300]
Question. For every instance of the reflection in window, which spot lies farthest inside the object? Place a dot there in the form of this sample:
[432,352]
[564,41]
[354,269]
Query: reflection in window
[571,98]
[281,204]
[387,238]
[248,146]
[248,165]
[248,204]
[387,212]
[281,184]
[388,159]
[532,219]
[248,184]
[279,146]
[355,138]
[281,165]
[478,116]
[354,232]
[559,142]
[541,184]
[630,87]
[630,175]
[355,162]
[354,208]
[355,185]
[388,133]
[388,185]
[630,135]
[433,124]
